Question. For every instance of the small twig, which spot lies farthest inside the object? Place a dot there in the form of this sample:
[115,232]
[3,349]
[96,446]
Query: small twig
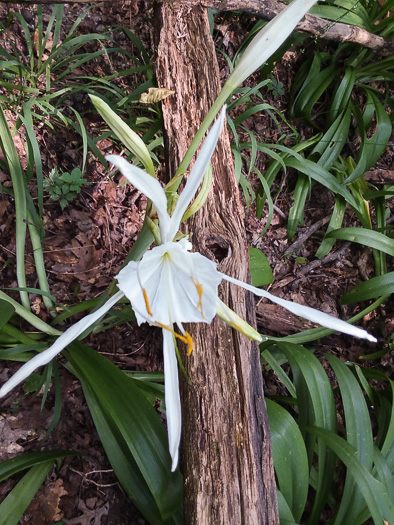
[332,256]
[85,477]
[280,212]
[299,243]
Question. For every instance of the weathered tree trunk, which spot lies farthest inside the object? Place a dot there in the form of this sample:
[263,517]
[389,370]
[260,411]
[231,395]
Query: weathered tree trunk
[226,449]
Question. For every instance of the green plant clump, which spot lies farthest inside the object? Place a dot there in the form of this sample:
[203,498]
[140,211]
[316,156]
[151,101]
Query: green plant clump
[65,187]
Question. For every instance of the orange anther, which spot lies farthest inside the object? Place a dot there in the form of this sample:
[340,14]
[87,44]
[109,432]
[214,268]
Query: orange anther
[147,302]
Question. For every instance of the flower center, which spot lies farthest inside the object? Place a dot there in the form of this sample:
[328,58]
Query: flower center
[187,338]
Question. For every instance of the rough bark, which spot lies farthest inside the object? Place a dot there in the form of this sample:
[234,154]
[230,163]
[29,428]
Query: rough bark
[268,9]
[226,450]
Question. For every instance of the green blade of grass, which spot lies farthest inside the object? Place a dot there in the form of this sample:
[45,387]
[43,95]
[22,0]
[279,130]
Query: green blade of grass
[19,186]
[285,515]
[34,148]
[273,363]
[296,212]
[366,237]
[315,404]
[375,287]
[322,176]
[358,434]
[17,501]
[335,223]
[371,149]
[342,95]
[6,312]
[331,144]
[131,432]
[290,458]
[313,91]
[349,16]
[388,443]
[373,491]
[13,466]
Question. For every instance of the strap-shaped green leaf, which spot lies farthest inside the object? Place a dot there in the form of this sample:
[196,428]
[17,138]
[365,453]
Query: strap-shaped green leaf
[375,287]
[370,238]
[12,466]
[131,432]
[358,434]
[17,501]
[315,403]
[290,458]
[374,492]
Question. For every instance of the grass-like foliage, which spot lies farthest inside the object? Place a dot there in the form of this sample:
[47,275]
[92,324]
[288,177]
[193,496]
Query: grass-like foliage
[311,454]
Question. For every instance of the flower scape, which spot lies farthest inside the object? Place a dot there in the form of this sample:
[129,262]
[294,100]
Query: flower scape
[170,285]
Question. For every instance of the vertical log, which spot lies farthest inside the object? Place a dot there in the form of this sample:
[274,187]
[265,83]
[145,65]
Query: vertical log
[226,449]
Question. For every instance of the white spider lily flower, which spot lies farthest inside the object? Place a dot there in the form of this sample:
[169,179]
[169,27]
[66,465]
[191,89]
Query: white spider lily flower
[170,285]
[163,288]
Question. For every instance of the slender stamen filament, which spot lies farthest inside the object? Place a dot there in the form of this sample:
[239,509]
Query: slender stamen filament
[144,292]
[187,338]
[147,302]
[199,291]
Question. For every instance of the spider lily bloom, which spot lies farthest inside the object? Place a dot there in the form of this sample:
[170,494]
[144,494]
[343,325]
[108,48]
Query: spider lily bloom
[171,286]
[162,287]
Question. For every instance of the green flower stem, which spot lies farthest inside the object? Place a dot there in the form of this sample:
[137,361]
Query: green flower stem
[30,317]
[183,166]
[39,261]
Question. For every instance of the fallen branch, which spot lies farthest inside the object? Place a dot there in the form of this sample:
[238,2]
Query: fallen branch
[335,31]
[268,9]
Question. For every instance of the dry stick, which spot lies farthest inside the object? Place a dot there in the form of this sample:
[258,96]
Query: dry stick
[268,9]
[332,256]
[338,32]
[299,243]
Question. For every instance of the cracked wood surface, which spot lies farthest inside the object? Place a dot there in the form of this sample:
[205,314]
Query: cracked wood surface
[226,449]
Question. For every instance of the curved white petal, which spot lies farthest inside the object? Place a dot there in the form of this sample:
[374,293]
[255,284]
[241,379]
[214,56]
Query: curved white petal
[268,40]
[171,285]
[196,175]
[173,401]
[148,185]
[316,316]
[60,344]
